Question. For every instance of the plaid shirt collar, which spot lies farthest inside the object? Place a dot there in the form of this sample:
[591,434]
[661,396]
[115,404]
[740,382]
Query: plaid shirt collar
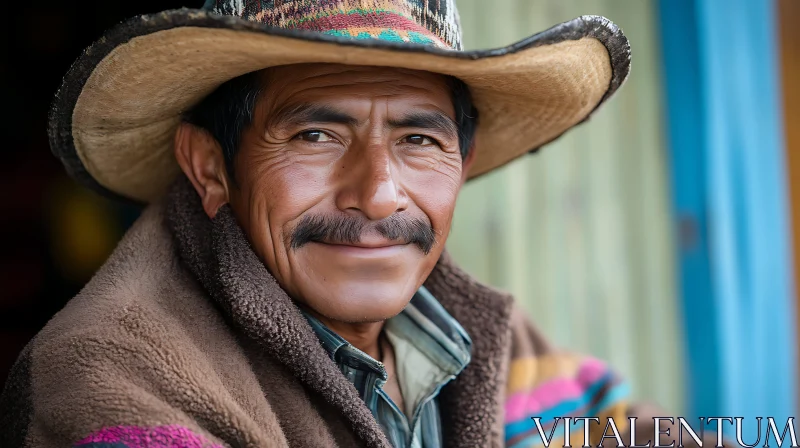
[425,328]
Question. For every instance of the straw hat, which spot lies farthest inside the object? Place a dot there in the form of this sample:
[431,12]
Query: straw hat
[113,120]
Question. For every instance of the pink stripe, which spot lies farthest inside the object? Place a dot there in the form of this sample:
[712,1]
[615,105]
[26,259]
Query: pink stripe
[171,436]
[591,370]
[523,404]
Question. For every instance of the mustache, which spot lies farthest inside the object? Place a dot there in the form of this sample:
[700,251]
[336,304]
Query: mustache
[345,229]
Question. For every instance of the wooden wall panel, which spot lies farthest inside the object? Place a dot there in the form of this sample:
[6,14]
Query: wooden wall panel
[580,232]
[789,18]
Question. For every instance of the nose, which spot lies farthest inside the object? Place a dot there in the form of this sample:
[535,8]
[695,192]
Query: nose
[370,184]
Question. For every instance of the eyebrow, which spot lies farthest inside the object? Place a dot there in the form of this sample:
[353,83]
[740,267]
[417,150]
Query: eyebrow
[306,113]
[312,113]
[427,120]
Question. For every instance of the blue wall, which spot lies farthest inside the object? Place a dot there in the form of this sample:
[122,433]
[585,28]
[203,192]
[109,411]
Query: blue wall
[731,207]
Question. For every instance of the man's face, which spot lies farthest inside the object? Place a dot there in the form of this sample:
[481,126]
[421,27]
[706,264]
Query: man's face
[345,184]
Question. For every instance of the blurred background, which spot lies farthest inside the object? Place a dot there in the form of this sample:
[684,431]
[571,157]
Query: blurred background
[661,236]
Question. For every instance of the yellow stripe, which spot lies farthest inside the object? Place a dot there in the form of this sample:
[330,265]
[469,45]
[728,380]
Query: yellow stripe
[528,373]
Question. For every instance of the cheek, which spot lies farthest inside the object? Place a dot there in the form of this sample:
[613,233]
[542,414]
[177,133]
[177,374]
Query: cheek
[276,192]
[435,191]
[285,180]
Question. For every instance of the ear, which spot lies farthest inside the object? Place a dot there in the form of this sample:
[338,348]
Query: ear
[200,158]
[467,163]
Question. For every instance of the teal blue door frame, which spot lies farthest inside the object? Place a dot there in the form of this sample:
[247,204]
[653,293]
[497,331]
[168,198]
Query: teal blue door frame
[730,197]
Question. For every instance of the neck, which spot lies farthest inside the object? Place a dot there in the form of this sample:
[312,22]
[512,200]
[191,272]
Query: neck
[362,335]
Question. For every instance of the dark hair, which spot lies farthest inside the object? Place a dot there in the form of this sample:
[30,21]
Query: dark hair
[228,111]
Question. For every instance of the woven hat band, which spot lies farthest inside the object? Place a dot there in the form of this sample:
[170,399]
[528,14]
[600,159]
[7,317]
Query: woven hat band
[426,22]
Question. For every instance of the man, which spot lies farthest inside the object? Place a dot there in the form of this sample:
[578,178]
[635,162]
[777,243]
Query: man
[290,288]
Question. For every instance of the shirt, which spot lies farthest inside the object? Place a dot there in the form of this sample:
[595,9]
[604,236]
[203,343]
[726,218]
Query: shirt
[431,349]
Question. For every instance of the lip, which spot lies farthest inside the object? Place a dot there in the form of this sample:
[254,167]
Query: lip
[374,245]
[365,250]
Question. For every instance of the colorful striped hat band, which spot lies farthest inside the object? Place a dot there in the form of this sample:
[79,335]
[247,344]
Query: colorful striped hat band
[426,22]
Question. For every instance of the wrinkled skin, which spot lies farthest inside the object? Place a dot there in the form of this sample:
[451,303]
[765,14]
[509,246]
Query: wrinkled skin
[365,160]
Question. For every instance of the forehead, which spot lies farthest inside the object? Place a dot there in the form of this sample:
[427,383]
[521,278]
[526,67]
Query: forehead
[332,82]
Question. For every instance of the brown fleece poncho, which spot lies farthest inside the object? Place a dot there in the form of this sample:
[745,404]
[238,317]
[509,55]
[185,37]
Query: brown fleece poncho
[183,339]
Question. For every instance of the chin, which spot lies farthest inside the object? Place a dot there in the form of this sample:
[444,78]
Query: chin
[361,302]
[358,286]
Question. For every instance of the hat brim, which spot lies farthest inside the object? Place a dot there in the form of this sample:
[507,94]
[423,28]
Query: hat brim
[113,120]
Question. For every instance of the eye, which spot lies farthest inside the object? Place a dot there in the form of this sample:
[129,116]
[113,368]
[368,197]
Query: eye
[314,136]
[417,139]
